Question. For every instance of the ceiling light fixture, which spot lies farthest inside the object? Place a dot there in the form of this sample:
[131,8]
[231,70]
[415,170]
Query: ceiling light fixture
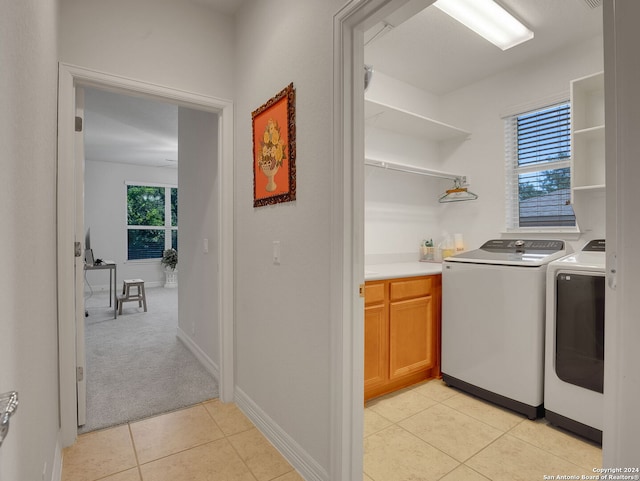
[487,19]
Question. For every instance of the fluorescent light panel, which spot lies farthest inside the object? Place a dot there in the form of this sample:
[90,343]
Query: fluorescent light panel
[487,19]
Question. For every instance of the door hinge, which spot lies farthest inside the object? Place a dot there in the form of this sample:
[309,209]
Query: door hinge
[77,249]
[78,124]
[361,290]
[79,374]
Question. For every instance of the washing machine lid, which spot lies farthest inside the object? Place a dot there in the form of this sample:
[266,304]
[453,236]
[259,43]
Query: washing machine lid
[511,252]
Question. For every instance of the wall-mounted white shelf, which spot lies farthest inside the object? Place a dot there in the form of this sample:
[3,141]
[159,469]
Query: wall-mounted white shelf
[588,132]
[589,188]
[412,169]
[387,117]
[588,151]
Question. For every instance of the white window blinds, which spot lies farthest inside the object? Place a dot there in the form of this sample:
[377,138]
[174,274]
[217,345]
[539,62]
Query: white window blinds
[538,168]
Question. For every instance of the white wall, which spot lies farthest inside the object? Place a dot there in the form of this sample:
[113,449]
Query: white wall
[28,337]
[174,43]
[477,108]
[106,215]
[198,220]
[401,209]
[283,311]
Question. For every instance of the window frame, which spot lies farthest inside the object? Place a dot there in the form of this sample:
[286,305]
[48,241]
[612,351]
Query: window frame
[513,169]
[168,216]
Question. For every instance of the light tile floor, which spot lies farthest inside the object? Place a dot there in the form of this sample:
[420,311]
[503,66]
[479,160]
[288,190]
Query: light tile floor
[423,433]
[206,442]
[433,432]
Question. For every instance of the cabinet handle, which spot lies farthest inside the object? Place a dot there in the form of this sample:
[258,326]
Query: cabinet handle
[9,404]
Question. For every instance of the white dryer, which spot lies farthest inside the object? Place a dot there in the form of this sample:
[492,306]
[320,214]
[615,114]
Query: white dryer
[574,347]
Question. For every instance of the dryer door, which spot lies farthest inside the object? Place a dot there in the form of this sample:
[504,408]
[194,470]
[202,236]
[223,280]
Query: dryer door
[579,356]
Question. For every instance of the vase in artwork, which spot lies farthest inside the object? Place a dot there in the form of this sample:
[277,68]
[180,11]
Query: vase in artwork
[171,278]
[270,173]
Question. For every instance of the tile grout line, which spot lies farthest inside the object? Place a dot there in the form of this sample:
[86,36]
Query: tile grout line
[397,424]
[434,447]
[135,451]
[441,402]
[227,436]
[240,456]
[552,453]
[524,419]
[179,451]
[508,431]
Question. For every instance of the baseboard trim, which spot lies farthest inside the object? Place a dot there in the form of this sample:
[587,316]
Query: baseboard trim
[204,359]
[288,447]
[105,287]
[56,469]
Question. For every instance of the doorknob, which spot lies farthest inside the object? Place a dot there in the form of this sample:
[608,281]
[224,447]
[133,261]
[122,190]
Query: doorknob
[8,406]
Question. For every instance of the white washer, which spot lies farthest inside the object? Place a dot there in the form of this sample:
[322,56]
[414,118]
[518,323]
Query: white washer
[493,315]
[574,354]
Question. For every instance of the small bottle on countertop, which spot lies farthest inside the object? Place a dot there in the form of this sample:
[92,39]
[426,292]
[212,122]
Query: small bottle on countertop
[459,243]
[427,251]
[447,248]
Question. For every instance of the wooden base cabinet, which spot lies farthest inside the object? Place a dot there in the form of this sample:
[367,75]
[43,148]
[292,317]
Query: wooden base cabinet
[401,333]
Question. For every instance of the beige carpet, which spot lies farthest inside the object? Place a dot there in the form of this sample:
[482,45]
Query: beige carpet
[136,367]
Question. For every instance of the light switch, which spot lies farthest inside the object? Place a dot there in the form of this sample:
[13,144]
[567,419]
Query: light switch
[276,253]
[205,245]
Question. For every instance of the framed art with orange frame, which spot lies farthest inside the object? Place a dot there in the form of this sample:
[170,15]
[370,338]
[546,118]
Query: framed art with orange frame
[274,149]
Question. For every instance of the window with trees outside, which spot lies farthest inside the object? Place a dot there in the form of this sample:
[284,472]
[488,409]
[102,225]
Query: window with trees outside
[152,220]
[538,169]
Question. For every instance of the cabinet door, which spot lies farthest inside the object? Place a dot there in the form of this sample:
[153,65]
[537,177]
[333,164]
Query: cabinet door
[375,347]
[411,337]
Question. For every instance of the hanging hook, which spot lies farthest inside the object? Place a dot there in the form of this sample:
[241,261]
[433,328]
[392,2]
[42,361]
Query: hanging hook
[458,193]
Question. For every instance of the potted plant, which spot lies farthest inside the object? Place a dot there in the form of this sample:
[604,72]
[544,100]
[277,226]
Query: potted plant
[170,262]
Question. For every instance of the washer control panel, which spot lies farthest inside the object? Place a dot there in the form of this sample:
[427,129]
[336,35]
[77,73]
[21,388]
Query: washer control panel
[521,245]
[596,245]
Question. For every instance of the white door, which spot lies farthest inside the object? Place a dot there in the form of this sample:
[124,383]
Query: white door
[621,443]
[79,261]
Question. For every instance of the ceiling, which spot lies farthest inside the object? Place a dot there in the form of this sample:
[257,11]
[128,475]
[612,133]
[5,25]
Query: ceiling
[434,52]
[425,48]
[130,130]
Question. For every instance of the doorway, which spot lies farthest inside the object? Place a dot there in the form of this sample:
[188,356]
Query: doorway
[351,25]
[136,364]
[71,77]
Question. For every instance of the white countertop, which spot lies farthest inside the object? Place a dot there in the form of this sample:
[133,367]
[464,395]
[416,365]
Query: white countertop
[376,272]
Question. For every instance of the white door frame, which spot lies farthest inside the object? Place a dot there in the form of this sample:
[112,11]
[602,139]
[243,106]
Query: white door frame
[347,254]
[69,76]
[347,233]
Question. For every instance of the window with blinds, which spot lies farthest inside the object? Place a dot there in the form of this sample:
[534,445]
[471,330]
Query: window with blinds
[538,168]
[152,220]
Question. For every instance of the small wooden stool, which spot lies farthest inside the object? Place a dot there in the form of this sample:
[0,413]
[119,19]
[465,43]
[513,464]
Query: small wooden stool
[127,295]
